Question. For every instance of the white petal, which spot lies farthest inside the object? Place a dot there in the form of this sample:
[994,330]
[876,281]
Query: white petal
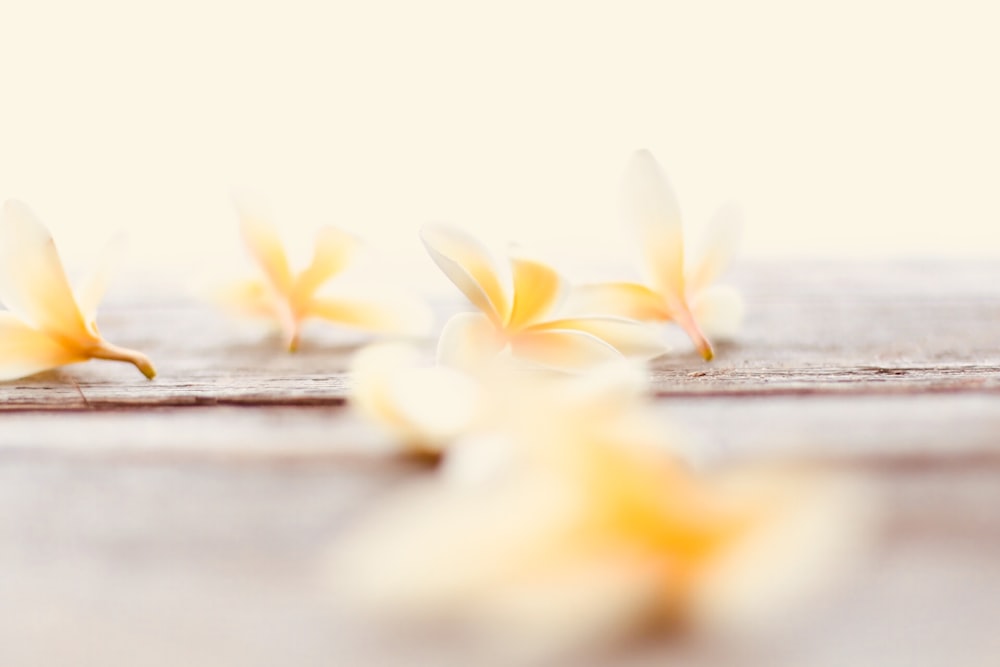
[633,339]
[563,349]
[468,341]
[650,207]
[33,283]
[721,240]
[469,266]
[437,403]
[719,311]
[91,291]
[426,407]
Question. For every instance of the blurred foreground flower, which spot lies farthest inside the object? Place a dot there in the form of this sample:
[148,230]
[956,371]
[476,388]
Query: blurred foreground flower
[681,292]
[291,298]
[520,317]
[47,324]
[573,524]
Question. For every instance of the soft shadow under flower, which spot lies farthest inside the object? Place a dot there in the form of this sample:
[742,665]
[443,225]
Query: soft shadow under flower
[521,317]
[291,298]
[682,290]
[48,325]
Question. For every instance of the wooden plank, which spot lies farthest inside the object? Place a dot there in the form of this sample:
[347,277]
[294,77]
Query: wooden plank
[185,521]
[812,327]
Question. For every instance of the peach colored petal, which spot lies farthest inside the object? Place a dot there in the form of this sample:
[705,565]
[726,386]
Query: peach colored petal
[536,289]
[469,266]
[25,351]
[264,245]
[387,314]
[632,339]
[650,206]
[468,341]
[631,300]
[717,248]
[33,283]
[563,349]
[334,249]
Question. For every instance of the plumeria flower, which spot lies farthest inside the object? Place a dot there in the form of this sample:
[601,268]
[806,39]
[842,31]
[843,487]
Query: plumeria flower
[519,315]
[679,290]
[595,528]
[48,325]
[291,298]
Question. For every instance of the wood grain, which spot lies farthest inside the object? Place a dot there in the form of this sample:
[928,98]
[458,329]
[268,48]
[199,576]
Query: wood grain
[185,520]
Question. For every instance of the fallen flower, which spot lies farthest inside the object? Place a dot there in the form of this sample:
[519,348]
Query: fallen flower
[47,325]
[520,317]
[681,291]
[593,528]
[290,298]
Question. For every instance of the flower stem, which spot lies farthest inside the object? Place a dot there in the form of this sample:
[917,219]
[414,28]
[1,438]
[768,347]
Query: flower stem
[106,350]
[687,322]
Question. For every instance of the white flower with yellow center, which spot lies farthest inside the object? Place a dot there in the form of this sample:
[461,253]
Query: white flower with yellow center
[47,324]
[520,316]
[568,521]
[291,298]
[679,291]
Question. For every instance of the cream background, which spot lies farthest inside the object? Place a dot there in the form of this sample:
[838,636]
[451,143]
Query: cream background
[852,127]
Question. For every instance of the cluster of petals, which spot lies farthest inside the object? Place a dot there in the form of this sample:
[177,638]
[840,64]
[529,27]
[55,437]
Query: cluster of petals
[521,315]
[290,298]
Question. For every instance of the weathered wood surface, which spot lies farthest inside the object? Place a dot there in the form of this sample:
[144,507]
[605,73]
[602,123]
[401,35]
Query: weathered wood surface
[184,521]
[812,327]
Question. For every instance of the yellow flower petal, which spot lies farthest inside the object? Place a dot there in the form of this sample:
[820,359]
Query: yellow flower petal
[650,206]
[631,300]
[469,266]
[25,351]
[33,283]
[92,289]
[468,340]
[631,338]
[717,248]
[264,245]
[536,288]
[563,349]
[719,311]
[387,314]
[334,249]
